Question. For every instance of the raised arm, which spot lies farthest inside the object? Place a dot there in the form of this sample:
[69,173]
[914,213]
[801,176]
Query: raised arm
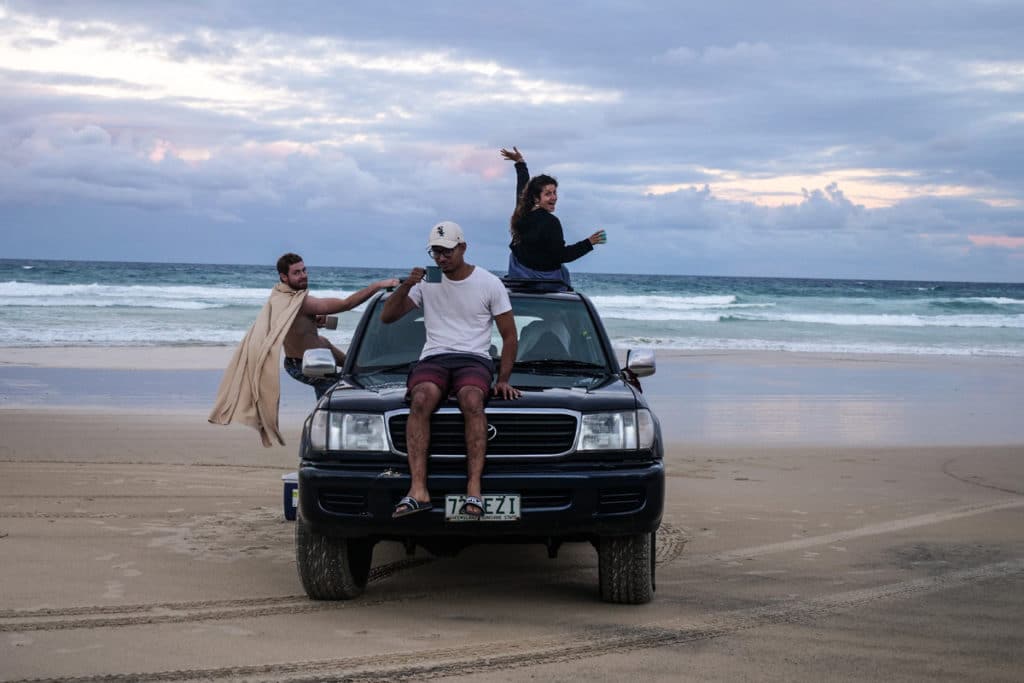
[522,172]
[399,303]
[327,305]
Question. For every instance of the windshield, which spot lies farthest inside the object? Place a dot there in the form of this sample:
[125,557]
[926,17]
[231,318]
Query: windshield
[554,334]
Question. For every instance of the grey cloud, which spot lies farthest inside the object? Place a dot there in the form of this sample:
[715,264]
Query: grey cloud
[753,89]
[30,43]
[16,77]
[680,55]
[200,48]
[88,162]
[979,28]
[821,208]
[953,215]
[741,54]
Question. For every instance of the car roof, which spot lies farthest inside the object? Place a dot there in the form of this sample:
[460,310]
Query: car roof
[540,288]
[533,289]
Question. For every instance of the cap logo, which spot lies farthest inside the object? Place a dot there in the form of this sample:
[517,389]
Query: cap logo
[440,231]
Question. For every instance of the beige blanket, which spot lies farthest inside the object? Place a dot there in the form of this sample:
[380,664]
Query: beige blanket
[250,391]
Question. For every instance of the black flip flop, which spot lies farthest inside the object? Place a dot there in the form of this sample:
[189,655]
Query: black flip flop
[411,505]
[474,501]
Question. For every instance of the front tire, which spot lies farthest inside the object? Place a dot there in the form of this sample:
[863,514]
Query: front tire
[625,568]
[331,568]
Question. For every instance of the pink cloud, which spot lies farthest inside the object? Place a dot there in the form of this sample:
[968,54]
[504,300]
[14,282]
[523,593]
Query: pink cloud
[1003,241]
[483,163]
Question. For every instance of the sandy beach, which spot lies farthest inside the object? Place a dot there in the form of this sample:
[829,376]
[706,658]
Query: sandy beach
[829,517]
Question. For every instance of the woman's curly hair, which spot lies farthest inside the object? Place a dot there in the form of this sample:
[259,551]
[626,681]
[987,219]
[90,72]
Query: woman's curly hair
[528,200]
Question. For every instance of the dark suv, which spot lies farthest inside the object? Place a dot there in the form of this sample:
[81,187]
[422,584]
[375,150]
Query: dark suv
[577,458]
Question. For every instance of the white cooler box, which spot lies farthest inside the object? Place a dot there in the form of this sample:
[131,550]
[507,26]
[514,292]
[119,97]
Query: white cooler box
[291,494]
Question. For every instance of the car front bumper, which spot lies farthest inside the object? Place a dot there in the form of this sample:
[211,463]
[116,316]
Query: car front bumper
[581,503]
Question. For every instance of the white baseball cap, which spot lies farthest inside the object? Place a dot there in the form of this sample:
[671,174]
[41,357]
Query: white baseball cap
[446,234]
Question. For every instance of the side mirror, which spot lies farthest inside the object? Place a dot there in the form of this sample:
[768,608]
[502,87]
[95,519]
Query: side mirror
[318,363]
[639,361]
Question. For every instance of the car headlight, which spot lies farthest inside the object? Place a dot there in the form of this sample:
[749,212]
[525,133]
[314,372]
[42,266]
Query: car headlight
[617,431]
[347,432]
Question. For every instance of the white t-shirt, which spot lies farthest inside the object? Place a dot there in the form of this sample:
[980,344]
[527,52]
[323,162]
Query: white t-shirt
[457,314]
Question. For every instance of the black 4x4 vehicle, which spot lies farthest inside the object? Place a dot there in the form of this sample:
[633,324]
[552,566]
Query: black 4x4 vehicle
[577,458]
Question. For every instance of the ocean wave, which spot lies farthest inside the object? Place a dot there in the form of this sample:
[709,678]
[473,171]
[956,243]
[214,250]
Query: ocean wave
[106,337]
[996,300]
[109,304]
[840,319]
[660,301]
[889,320]
[869,348]
[115,303]
[977,303]
[668,308]
[662,316]
[96,295]
[110,336]
[144,296]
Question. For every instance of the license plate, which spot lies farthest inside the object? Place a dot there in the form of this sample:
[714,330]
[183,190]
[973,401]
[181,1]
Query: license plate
[498,507]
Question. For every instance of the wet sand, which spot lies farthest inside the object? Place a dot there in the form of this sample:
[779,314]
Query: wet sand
[726,398]
[139,542]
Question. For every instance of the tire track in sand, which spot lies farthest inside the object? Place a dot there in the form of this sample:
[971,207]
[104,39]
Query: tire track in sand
[101,616]
[522,653]
[671,542]
[859,532]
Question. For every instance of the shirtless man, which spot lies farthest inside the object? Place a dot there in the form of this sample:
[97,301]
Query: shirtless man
[303,333]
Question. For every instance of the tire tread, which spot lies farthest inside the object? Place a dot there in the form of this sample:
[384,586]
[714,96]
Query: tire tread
[624,569]
[331,568]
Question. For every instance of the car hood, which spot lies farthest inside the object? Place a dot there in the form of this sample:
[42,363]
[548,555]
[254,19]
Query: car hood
[572,392]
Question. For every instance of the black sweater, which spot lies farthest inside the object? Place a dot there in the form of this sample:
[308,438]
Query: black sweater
[541,243]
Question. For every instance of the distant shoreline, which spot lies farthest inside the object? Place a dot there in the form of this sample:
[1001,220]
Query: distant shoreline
[498,270]
[216,357]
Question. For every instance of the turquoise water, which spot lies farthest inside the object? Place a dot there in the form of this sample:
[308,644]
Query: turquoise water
[64,303]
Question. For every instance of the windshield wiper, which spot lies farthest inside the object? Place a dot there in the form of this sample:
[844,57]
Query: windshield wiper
[553,364]
[379,369]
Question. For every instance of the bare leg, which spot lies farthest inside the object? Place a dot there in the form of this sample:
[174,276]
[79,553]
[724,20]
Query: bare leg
[425,397]
[471,403]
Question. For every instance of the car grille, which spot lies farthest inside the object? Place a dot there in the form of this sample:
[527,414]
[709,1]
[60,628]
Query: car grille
[542,433]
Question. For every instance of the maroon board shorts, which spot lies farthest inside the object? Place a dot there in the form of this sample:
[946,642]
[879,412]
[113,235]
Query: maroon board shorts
[453,371]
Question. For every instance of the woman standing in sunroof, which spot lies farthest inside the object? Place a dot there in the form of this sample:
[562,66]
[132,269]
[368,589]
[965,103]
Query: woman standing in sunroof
[538,248]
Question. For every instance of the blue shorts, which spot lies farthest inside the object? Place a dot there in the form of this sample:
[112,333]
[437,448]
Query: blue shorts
[453,371]
[293,366]
[557,280]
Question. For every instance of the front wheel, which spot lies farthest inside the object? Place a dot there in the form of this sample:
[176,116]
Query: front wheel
[626,568]
[331,568]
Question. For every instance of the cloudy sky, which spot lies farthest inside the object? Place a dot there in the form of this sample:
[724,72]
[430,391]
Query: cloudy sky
[825,139]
